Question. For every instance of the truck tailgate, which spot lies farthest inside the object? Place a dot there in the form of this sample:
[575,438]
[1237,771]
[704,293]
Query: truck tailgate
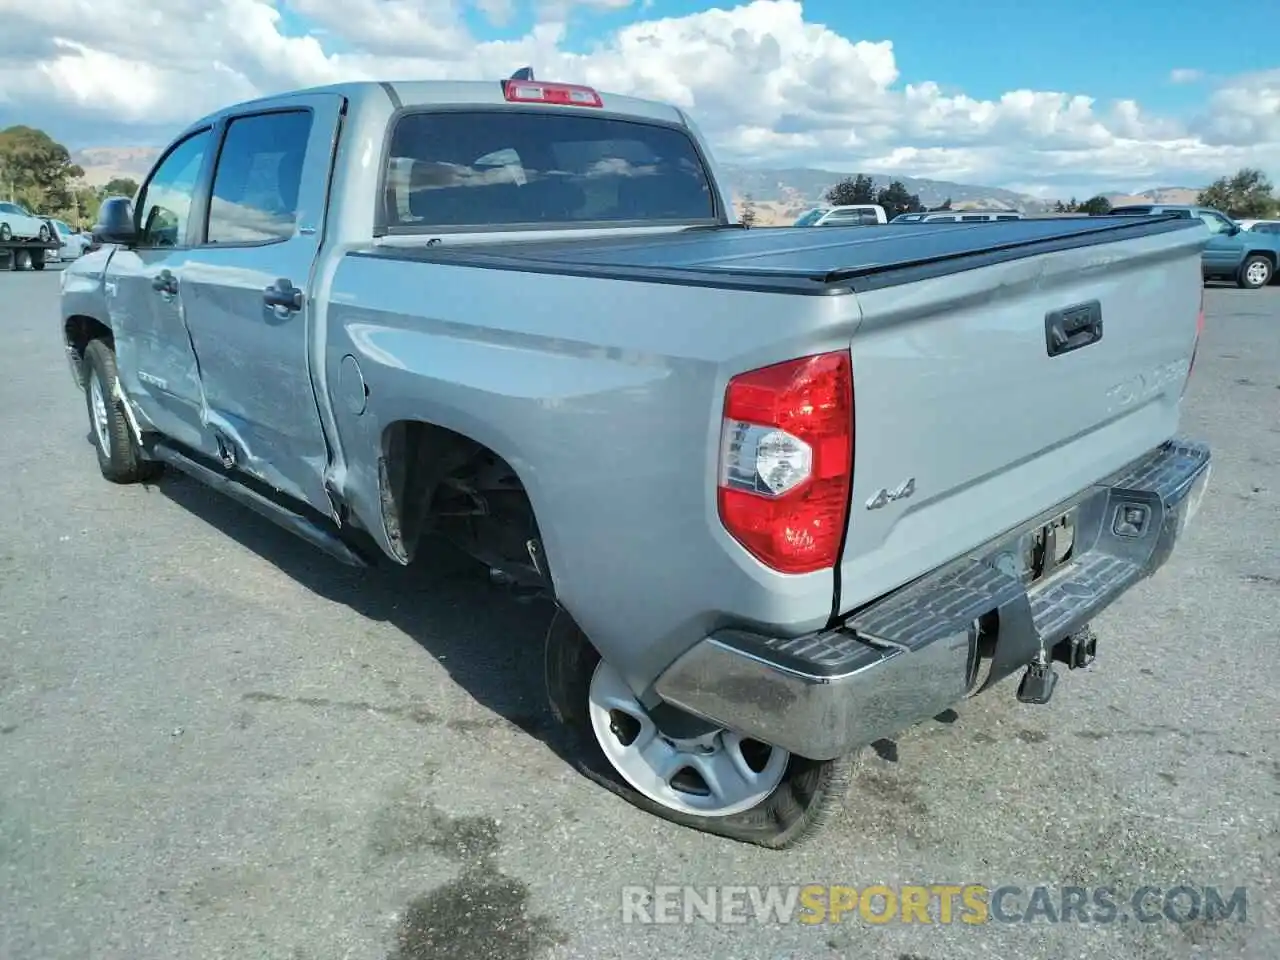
[972,414]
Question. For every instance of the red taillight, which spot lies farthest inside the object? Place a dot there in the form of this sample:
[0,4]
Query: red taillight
[564,94]
[786,461]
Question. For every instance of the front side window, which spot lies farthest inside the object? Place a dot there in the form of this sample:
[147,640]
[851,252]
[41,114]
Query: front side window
[164,202]
[511,167]
[1214,222]
[257,178]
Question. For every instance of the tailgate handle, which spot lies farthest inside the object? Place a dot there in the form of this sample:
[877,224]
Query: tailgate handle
[1072,327]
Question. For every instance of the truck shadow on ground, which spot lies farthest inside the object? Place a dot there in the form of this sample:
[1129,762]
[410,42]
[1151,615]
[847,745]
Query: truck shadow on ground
[490,643]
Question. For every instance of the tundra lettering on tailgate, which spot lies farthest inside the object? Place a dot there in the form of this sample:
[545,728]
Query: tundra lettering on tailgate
[1146,385]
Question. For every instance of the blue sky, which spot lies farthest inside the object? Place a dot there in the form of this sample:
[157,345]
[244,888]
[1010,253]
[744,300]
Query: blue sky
[1108,49]
[773,84]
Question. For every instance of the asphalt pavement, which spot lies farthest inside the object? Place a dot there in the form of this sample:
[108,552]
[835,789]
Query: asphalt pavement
[217,743]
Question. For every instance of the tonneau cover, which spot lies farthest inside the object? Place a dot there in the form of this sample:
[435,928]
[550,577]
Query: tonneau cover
[804,256]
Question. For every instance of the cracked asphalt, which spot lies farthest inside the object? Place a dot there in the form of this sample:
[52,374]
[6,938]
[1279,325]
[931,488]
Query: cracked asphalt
[216,742]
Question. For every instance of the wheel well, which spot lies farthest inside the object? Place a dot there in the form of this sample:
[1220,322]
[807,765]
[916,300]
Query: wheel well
[1268,254]
[78,331]
[435,481]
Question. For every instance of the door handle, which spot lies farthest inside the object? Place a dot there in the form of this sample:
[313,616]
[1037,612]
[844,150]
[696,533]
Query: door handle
[283,295]
[1072,328]
[165,282]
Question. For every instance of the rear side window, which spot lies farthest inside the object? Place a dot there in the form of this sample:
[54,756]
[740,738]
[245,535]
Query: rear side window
[507,167]
[256,181]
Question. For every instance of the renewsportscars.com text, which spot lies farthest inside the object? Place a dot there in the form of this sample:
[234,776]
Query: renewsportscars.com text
[937,903]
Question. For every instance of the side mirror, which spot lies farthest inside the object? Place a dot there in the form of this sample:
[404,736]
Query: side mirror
[115,222]
[1233,230]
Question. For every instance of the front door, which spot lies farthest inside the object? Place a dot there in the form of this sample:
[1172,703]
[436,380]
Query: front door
[154,355]
[244,291]
[1225,250]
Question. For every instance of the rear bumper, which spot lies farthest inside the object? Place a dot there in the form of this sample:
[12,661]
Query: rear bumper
[914,653]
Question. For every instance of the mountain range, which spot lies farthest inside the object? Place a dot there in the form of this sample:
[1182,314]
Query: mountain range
[778,195]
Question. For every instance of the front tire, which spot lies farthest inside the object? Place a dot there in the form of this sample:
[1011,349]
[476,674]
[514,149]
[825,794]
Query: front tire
[778,800]
[119,457]
[1255,273]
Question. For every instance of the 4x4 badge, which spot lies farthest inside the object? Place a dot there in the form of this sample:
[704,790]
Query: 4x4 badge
[884,496]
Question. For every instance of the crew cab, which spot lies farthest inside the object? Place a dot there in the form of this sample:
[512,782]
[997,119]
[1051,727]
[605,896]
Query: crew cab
[789,491]
[1248,258]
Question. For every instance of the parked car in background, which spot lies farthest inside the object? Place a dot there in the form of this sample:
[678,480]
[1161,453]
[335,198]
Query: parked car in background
[73,243]
[1260,226]
[846,215]
[18,223]
[958,216]
[1248,257]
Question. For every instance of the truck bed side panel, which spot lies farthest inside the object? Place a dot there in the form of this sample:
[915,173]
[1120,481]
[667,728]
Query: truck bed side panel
[605,397]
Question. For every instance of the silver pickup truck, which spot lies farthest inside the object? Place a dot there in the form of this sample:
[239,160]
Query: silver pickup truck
[791,491]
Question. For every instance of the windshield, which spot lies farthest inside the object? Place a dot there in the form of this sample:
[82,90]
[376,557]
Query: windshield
[810,218]
[509,167]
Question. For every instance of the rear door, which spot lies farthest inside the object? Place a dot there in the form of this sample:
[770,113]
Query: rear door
[156,362]
[245,292]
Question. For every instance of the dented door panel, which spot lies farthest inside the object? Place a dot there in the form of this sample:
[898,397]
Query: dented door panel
[263,233]
[158,367]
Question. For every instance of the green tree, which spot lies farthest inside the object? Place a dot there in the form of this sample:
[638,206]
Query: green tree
[748,216]
[859,189]
[1095,206]
[37,170]
[120,187]
[1247,193]
[896,200]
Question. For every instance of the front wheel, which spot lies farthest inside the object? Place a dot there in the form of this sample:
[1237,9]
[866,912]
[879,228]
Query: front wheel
[119,458]
[712,780]
[1255,273]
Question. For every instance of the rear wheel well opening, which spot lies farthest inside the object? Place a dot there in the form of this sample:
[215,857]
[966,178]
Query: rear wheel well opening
[437,482]
[78,332]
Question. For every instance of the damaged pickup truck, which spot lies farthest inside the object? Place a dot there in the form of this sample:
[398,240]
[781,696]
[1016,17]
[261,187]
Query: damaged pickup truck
[792,491]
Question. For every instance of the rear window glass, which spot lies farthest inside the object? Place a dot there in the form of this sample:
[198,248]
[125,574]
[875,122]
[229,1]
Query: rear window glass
[507,167]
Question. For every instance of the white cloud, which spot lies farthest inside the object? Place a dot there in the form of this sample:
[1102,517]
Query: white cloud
[1185,75]
[763,82]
